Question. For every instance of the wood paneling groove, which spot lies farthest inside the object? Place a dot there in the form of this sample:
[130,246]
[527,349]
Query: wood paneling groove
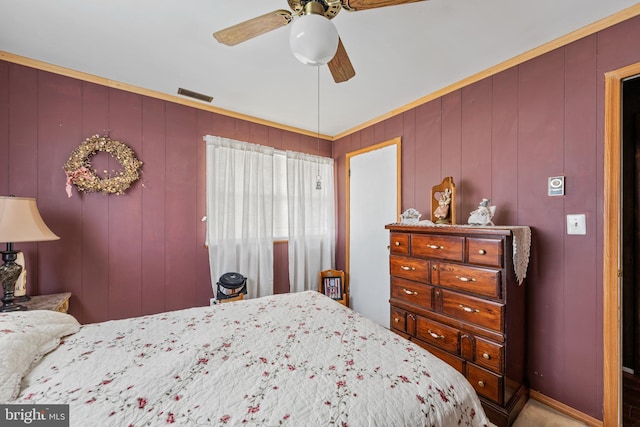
[580,292]
[56,127]
[203,278]
[408,130]
[92,303]
[181,168]
[154,201]
[504,150]
[540,155]
[427,168]
[125,212]
[475,148]
[4,129]
[452,143]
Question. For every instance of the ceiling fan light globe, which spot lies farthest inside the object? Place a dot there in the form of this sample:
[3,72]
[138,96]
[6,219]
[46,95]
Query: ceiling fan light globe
[313,39]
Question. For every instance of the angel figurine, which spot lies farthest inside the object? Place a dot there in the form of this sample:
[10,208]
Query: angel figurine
[442,211]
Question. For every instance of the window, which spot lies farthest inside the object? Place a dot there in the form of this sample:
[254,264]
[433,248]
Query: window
[256,195]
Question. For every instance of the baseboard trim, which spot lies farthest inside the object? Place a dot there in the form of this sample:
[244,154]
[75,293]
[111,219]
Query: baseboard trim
[565,409]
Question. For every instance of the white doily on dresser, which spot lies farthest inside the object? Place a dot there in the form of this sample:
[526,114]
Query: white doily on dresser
[521,251]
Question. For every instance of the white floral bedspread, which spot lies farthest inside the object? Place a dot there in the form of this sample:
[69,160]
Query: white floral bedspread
[293,360]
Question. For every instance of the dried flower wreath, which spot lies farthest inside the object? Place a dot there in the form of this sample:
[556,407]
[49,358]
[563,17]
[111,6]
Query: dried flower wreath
[80,173]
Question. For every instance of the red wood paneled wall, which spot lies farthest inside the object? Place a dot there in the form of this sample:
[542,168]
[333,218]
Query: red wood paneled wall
[121,256]
[501,138]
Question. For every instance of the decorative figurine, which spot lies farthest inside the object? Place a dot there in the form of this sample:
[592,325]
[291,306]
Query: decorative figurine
[483,215]
[410,216]
[443,202]
[442,211]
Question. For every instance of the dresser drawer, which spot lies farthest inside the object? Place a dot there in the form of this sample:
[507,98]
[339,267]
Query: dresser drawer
[398,319]
[485,251]
[438,247]
[399,243]
[486,384]
[411,292]
[456,362]
[409,268]
[473,310]
[437,334]
[489,355]
[481,281]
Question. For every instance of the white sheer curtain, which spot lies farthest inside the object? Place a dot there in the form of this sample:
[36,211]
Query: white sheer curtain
[311,219]
[239,202]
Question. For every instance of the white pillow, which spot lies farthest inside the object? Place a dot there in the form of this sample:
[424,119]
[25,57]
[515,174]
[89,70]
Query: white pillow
[25,337]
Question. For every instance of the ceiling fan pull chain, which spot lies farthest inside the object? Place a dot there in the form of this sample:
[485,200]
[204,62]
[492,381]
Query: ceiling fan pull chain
[318,180]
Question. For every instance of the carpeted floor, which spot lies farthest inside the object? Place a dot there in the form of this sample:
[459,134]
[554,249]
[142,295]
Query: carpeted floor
[537,414]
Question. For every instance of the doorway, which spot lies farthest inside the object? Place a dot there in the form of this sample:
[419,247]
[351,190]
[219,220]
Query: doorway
[613,255]
[373,200]
[630,240]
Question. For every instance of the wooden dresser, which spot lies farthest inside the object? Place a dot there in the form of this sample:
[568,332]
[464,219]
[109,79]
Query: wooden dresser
[454,293]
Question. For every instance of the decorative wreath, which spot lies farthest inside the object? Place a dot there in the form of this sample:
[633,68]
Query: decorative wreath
[80,173]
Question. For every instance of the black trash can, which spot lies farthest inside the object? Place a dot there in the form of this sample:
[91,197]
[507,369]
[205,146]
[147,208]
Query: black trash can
[230,285]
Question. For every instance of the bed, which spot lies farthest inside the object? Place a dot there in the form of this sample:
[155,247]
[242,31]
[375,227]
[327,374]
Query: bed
[297,359]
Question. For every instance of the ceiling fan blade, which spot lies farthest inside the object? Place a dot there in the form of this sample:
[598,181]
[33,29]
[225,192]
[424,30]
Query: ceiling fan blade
[246,30]
[340,66]
[354,5]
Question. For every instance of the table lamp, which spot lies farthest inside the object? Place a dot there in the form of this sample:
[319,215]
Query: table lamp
[20,221]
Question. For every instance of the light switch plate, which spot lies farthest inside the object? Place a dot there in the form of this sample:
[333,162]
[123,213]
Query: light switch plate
[576,224]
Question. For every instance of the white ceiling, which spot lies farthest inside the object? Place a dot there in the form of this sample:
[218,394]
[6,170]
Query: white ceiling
[400,53]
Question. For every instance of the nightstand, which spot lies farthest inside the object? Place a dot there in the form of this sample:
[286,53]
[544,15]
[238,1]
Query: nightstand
[55,302]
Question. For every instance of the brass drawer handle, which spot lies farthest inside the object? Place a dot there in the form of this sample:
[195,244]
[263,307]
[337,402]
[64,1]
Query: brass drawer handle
[408,292]
[435,247]
[396,319]
[481,383]
[482,252]
[405,268]
[434,335]
[486,356]
[468,309]
[397,243]
[466,279]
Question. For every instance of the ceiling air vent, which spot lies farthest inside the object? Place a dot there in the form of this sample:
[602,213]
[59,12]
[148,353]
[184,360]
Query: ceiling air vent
[196,95]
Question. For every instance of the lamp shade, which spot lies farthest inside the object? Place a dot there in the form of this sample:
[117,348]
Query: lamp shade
[313,39]
[20,221]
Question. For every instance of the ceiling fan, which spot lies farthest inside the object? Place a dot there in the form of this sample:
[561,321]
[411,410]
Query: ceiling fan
[340,65]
